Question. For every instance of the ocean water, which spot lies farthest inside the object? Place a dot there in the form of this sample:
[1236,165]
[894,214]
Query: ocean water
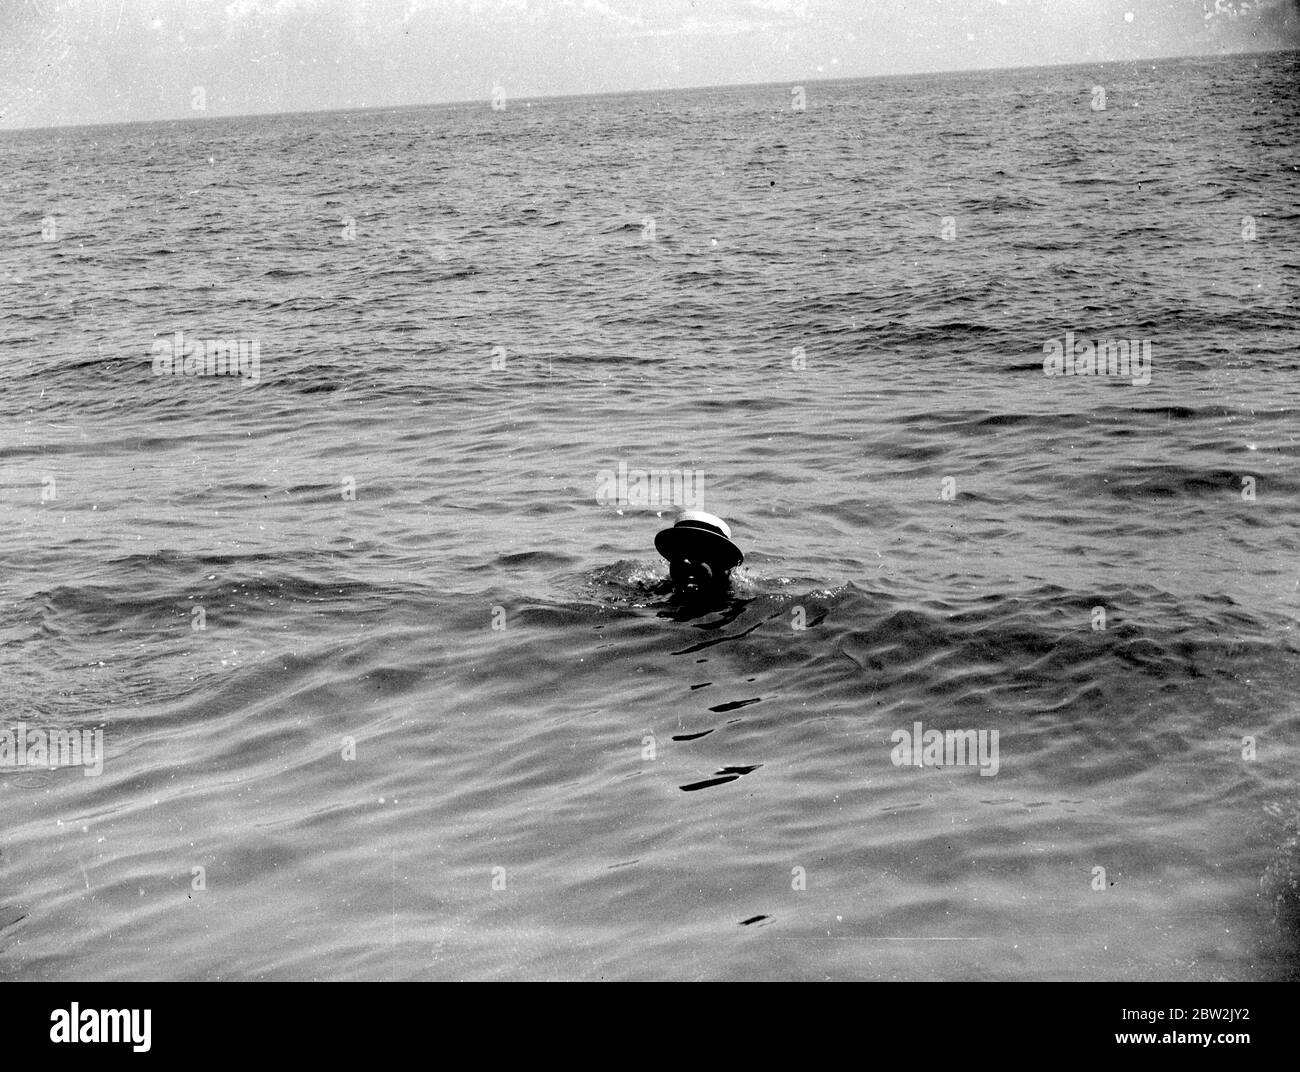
[388,691]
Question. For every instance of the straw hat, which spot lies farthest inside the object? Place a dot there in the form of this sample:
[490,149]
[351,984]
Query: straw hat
[699,537]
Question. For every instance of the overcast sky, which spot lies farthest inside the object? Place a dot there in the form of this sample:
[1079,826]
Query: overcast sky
[95,61]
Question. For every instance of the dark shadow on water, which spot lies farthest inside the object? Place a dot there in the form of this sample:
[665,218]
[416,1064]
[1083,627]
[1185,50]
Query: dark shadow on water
[695,604]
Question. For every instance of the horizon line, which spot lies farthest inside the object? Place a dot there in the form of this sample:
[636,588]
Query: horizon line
[1270,51]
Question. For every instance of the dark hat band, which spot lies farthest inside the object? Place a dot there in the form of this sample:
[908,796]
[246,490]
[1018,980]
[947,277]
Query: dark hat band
[692,524]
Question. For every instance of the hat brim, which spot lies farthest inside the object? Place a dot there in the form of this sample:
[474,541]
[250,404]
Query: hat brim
[699,545]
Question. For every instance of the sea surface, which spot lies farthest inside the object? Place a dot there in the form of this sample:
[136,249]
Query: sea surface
[389,690]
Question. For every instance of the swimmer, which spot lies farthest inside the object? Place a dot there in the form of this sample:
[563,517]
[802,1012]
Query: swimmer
[700,553]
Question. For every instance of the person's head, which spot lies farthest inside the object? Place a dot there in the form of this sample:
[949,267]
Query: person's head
[689,575]
[699,551]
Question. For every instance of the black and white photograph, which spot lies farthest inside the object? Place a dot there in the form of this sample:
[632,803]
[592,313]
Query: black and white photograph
[650,490]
